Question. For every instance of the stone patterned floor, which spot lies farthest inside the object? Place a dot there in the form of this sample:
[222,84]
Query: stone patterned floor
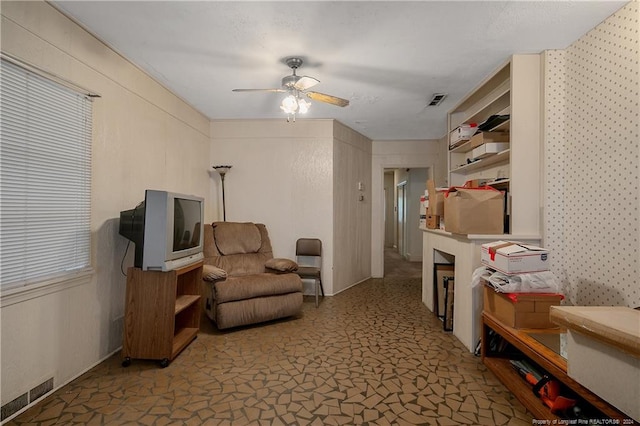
[372,355]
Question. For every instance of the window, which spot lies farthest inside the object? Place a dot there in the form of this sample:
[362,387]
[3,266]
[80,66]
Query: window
[45,178]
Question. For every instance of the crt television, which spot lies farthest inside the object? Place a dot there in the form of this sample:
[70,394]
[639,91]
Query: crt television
[167,230]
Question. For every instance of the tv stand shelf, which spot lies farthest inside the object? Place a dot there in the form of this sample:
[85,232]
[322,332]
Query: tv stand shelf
[162,313]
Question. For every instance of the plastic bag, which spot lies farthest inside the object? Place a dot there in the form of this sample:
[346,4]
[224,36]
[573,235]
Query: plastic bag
[478,274]
[538,282]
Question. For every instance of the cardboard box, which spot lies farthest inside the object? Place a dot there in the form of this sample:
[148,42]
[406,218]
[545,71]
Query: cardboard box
[521,310]
[511,257]
[476,183]
[433,221]
[461,134]
[474,211]
[484,137]
[488,149]
[436,200]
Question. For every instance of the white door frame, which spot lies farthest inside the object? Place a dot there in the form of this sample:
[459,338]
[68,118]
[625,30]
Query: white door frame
[401,218]
[377,203]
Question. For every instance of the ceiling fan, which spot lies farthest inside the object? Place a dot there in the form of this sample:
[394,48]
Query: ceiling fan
[297,86]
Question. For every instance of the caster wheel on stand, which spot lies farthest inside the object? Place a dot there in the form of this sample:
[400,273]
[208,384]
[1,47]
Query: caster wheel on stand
[126,362]
[164,363]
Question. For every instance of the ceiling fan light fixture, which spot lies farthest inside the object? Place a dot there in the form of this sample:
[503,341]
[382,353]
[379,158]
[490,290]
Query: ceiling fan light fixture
[297,86]
[303,106]
[293,104]
[289,105]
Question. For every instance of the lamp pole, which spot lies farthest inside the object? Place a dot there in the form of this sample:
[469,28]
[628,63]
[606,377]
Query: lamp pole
[222,170]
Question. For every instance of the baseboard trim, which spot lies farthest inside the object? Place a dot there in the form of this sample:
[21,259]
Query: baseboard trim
[352,285]
[56,388]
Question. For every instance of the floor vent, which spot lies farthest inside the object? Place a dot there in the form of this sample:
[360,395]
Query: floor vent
[40,390]
[437,99]
[10,408]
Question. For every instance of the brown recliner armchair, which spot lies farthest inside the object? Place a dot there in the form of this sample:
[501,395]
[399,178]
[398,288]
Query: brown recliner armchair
[243,283]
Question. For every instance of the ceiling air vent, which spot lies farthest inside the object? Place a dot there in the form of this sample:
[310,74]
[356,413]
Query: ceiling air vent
[437,99]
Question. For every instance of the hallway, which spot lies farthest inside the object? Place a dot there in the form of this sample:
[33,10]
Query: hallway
[395,266]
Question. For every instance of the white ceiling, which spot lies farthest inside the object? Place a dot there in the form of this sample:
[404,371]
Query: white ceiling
[386,57]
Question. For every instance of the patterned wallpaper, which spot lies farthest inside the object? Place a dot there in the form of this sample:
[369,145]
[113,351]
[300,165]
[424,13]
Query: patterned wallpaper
[592,195]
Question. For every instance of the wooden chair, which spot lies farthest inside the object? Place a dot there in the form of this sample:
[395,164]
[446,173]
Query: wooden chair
[307,250]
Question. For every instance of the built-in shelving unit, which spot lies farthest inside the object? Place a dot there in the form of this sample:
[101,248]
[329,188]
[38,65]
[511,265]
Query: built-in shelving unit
[514,89]
[162,313]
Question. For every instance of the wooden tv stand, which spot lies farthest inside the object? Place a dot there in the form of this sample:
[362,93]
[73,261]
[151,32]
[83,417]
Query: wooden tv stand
[162,313]
[547,359]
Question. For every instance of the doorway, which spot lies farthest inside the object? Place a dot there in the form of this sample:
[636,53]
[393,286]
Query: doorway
[401,210]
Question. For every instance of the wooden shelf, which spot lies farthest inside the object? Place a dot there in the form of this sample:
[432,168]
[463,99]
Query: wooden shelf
[498,184]
[162,313]
[182,338]
[551,362]
[496,103]
[484,94]
[522,390]
[184,301]
[465,147]
[500,157]
[513,90]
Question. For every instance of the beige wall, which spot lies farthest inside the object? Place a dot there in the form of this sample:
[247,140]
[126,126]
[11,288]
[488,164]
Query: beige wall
[351,207]
[300,179]
[144,137]
[282,176]
[592,180]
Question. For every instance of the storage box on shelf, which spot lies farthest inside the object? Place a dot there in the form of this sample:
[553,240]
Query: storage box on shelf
[488,149]
[511,257]
[462,134]
[433,221]
[435,210]
[474,211]
[481,138]
[521,310]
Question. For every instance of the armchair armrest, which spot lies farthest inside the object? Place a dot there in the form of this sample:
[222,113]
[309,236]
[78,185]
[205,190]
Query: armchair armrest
[281,265]
[213,273]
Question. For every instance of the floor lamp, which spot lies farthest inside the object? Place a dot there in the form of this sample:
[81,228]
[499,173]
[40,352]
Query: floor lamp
[223,171]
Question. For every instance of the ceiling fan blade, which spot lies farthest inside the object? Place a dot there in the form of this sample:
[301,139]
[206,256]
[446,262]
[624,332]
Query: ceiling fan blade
[258,90]
[333,100]
[305,83]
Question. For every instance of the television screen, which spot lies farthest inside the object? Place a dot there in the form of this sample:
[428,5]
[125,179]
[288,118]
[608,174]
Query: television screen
[186,224]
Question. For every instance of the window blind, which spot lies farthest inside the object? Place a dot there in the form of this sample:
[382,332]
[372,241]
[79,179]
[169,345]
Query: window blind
[45,178]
